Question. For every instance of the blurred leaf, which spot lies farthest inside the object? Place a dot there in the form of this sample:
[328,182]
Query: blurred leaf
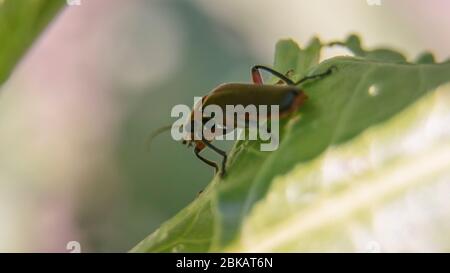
[20,23]
[369,133]
[426,58]
[288,56]
[353,43]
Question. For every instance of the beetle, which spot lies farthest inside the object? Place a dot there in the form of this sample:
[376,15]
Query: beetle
[287,96]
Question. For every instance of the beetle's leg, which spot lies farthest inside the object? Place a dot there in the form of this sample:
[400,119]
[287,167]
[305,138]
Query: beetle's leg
[288,75]
[207,161]
[220,152]
[317,76]
[257,78]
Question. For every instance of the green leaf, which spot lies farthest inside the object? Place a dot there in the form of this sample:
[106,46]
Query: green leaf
[353,43]
[20,23]
[363,188]
[426,58]
[370,134]
[289,57]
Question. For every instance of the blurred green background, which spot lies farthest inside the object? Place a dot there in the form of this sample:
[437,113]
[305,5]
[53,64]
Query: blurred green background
[76,113]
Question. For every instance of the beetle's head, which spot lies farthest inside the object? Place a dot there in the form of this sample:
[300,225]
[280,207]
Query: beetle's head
[188,143]
[189,132]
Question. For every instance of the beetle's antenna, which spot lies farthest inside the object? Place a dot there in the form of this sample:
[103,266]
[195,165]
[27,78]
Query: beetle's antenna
[156,133]
[317,76]
[257,79]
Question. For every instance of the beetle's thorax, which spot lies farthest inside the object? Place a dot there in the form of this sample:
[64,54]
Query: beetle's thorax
[194,126]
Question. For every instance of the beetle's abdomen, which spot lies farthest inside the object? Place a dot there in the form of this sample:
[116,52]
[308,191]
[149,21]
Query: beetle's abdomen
[250,94]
